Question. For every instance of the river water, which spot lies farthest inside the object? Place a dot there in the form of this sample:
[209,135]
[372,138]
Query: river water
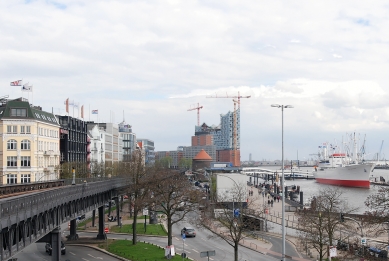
[355,197]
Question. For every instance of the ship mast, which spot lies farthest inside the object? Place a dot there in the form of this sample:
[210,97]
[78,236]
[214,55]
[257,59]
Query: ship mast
[354,150]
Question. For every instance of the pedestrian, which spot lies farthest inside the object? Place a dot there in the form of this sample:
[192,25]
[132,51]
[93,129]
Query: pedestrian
[278,198]
[274,198]
[268,202]
[271,202]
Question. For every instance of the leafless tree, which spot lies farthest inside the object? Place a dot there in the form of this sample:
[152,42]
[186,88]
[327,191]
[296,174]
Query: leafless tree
[231,226]
[66,170]
[320,224]
[173,196]
[378,211]
[136,175]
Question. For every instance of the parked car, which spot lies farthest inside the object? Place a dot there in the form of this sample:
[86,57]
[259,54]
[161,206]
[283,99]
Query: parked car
[188,231]
[49,249]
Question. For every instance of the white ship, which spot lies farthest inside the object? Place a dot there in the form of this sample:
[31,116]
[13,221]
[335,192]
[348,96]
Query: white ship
[343,169]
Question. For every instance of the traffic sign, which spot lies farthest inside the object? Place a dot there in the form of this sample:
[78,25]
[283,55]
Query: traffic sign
[236,212]
[363,241]
[183,236]
[106,230]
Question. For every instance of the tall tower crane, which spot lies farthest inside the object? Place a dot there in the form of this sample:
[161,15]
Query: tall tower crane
[236,100]
[198,112]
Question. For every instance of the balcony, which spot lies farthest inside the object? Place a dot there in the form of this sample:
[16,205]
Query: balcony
[48,153]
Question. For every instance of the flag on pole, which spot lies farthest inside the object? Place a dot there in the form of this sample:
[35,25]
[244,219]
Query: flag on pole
[72,103]
[27,88]
[82,111]
[95,111]
[67,105]
[16,83]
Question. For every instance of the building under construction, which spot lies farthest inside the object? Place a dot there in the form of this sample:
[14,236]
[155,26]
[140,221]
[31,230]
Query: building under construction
[221,142]
[222,136]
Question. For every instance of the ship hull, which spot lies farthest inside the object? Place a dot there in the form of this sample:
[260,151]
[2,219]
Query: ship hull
[349,176]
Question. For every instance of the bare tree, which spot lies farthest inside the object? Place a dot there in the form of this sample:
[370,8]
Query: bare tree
[66,169]
[173,196]
[377,215]
[321,223]
[231,225]
[138,180]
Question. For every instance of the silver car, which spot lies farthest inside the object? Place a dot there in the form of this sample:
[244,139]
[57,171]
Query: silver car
[188,231]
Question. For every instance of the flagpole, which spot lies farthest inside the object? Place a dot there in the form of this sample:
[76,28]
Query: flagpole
[89,113]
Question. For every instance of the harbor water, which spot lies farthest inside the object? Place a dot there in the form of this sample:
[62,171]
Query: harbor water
[355,197]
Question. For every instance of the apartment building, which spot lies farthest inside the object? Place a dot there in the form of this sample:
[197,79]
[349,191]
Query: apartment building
[29,145]
[148,148]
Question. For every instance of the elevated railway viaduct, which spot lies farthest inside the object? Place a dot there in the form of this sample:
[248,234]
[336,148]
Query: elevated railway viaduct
[37,216]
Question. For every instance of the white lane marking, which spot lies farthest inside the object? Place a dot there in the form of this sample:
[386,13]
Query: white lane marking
[72,253]
[95,257]
[195,250]
[210,258]
[85,259]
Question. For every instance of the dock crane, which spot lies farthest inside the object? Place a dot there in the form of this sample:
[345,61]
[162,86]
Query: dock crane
[198,112]
[379,154]
[236,100]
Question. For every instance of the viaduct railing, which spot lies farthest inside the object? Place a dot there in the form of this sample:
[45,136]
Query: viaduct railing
[27,218]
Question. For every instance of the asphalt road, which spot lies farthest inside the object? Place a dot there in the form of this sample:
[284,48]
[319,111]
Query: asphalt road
[36,252]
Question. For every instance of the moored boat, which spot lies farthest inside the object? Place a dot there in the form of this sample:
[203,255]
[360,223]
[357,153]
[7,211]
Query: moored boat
[342,170]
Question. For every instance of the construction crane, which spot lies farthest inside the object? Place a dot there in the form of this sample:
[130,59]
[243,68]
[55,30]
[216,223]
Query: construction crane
[236,100]
[198,112]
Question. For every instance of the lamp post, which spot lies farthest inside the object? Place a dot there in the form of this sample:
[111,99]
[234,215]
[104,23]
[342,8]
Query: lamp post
[233,199]
[283,177]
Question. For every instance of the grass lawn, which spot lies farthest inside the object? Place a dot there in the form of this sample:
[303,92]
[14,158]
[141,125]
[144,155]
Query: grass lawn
[139,252]
[156,229]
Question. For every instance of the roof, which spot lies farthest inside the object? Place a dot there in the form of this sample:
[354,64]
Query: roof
[202,155]
[30,112]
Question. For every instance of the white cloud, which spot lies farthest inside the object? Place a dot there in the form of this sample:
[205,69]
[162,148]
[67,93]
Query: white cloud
[154,59]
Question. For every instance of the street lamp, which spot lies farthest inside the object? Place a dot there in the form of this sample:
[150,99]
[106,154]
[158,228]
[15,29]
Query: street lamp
[233,199]
[283,177]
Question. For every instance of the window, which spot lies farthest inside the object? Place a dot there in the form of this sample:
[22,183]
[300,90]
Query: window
[25,161]
[28,129]
[12,145]
[12,129]
[22,129]
[18,112]
[12,161]
[25,145]
[12,179]
[25,178]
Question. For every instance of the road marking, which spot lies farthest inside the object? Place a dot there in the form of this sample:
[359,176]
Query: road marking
[85,259]
[185,244]
[195,250]
[95,257]
[72,253]
[210,258]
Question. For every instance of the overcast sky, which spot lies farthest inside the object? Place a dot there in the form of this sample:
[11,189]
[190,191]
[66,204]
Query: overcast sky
[154,60]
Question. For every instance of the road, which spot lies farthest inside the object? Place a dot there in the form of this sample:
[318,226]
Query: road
[204,241]
[36,252]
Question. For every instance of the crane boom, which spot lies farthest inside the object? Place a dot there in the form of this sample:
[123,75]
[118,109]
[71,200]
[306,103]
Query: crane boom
[236,100]
[198,112]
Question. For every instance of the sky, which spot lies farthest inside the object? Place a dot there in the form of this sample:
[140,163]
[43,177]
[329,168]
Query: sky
[149,62]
